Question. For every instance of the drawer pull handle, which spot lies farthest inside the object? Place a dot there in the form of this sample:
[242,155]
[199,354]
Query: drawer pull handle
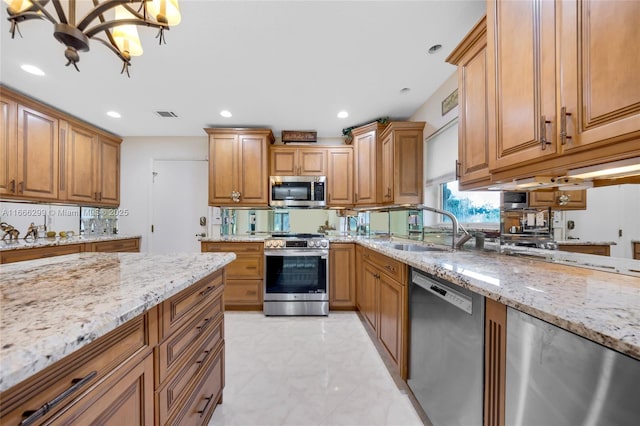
[252,267]
[76,384]
[12,186]
[389,268]
[204,325]
[206,354]
[207,290]
[204,409]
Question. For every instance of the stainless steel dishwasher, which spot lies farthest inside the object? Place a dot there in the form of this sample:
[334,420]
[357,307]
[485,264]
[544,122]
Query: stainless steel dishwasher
[446,355]
[555,377]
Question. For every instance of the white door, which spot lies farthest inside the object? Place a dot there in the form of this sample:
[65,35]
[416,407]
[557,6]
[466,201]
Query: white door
[178,202]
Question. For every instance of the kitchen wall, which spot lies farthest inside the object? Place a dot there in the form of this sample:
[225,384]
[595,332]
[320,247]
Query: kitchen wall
[136,168]
[56,217]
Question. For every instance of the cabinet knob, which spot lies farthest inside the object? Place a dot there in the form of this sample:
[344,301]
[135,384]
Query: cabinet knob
[235,196]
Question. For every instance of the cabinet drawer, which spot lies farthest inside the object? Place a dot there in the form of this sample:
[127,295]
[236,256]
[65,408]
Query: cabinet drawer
[183,342]
[181,307]
[246,267]
[394,268]
[126,400]
[19,255]
[233,247]
[243,292]
[129,342]
[129,245]
[175,389]
[198,408]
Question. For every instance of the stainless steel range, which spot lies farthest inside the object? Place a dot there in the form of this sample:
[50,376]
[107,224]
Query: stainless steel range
[296,275]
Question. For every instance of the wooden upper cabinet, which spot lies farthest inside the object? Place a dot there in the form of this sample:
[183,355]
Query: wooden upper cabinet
[289,161]
[366,157]
[109,171]
[238,166]
[340,177]
[600,72]
[473,139]
[402,163]
[521,58]
[37,168]
[8,146]
[92,167]
[559,200]
[81,147]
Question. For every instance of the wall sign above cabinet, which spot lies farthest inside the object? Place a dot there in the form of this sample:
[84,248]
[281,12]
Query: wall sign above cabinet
[299,136]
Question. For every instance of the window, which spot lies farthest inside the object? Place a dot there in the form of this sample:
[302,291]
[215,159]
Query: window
[471,206]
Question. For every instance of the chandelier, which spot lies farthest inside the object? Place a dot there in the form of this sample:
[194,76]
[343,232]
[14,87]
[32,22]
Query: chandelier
[119,34]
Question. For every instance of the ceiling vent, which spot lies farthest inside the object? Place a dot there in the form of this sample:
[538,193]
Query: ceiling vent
[166,114]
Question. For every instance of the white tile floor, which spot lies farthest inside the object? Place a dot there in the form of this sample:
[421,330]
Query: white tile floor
[306,371]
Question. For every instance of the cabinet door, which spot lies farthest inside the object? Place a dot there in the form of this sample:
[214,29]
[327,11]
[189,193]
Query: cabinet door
[312,162]
[391,313]
[340,177]
[473,137]
[82,152]
[386,186]
[559,200]
[129,401]
[37,169]
[521,56]
[283,162]
[342,276]
[407,165]
[8,146]
[367,298]
[109,173]
[365,173]
[222,168]
[600,76]
[253,170]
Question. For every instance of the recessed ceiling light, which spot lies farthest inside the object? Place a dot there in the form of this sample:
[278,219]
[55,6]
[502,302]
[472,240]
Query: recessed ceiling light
[433,49]
[225,113]
[32,69]
[343,114]
[114,114]
[405,90]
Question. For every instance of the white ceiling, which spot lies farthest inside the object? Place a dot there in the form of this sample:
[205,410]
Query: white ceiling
[287,65]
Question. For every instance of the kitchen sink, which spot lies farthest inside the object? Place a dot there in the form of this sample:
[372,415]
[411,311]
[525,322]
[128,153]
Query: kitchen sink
[414,247]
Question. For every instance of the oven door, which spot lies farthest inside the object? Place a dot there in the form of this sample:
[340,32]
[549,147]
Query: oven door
[296,275]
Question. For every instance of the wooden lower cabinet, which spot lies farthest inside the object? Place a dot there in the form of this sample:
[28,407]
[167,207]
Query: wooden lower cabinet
[126,401]
[244,286]
[495,354]
[165,366]
[598,249]
[18,255]
[383,302]
[342,276]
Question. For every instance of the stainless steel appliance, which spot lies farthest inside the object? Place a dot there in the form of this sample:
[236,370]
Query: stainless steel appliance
[446,350]
[555,377]
[514,200]
[296,275]
[297,191]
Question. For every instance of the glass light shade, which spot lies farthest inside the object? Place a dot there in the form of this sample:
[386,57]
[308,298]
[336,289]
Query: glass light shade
[126,36]
[164,8]
[17,6]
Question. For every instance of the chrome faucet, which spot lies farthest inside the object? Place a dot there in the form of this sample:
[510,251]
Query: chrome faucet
[456,226]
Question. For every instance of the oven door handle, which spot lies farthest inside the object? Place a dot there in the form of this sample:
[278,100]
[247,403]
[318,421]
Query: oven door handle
[323,254]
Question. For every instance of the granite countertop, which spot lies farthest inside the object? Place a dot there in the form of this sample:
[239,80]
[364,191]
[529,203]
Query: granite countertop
[586,243]
[51,307]
[601,306]
[59,241]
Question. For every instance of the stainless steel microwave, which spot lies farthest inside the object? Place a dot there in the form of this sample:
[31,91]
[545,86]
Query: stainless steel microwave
[515,200]
[297,191]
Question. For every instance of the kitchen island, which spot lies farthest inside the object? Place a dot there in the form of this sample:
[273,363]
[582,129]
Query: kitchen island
[54,308]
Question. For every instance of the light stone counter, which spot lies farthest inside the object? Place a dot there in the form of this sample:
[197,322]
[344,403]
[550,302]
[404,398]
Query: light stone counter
[51,307]
[597,297]
[58,241]
[586,243]
[600,306]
